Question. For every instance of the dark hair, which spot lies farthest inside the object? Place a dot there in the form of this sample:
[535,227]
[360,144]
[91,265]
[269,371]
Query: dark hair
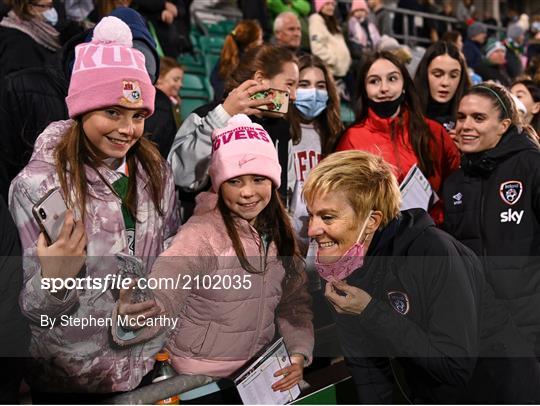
[451,36]
[274,223]
[421,78]
[420,135]
[75,151]
[534,90]
[502,101]
[21,8]
[245,34]
[328,125]
[268,59]
[331,23]
[166,64]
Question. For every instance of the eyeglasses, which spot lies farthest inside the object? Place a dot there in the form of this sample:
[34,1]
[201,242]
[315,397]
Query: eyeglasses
[43,6]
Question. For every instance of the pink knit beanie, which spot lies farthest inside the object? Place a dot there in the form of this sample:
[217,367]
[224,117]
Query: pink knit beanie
[359,5]
[109,72]
[243,148]
[319,4]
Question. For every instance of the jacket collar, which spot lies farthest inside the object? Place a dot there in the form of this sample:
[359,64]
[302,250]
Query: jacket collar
[385,125]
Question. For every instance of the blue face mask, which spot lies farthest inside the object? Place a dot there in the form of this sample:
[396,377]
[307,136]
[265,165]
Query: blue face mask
[311,102]
[51,16]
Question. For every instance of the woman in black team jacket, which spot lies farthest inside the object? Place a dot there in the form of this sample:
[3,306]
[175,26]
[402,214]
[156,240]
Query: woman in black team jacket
[492,204]
[412,306]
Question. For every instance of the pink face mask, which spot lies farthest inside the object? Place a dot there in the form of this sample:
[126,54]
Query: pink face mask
[348,263]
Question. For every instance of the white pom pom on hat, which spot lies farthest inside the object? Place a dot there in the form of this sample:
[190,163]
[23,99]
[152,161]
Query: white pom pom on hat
[112,30]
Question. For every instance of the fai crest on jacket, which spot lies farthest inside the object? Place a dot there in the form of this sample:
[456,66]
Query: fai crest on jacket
[511,191]
[399,301]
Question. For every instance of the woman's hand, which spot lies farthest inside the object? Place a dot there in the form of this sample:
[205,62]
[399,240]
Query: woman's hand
[136,312]
[345,298]
[239,100]
[65,257]
[292,374]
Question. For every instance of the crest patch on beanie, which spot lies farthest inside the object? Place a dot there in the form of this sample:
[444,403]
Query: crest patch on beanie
[131,94]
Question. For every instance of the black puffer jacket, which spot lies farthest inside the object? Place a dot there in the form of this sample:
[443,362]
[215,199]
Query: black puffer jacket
[492,205]
[14,332]
[433,314]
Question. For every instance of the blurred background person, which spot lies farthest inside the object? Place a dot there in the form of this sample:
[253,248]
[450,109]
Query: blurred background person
[300,8]
[27,35]
[327,41]
[472,47]
[493,65]
[288,31]
[514,44]
[246,34]
[455,38]
[383,20]
[528,92]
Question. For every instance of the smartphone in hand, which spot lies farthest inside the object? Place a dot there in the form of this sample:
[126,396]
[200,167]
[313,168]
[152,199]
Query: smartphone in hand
[50,212]
[133,268]
[279,102]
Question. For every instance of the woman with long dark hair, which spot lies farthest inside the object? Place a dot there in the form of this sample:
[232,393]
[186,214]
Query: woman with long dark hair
[492,203]
[315,127]
[390,123]
[528,92]
[444,69]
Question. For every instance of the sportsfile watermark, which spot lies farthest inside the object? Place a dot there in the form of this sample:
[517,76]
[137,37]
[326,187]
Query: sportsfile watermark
[181,281]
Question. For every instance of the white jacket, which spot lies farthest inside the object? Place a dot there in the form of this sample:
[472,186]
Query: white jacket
[331,48]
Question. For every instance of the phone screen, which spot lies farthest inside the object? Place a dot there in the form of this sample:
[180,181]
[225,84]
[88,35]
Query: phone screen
[279,102]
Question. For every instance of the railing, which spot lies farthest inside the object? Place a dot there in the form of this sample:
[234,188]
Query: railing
[410,38]
[149,395]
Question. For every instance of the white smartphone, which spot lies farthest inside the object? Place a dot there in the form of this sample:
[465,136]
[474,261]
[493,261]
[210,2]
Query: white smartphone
[50,212]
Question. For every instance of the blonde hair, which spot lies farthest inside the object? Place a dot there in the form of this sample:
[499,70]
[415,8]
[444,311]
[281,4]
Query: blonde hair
[366,179]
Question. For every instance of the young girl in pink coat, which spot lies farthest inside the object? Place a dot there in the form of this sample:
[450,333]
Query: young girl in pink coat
[240,270]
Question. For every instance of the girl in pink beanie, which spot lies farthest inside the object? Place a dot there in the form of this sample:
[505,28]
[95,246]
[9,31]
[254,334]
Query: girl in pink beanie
[121,199]
[240,232]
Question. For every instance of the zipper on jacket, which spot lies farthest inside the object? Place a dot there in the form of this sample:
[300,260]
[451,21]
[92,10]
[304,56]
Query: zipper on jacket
[482,223]
[263,250]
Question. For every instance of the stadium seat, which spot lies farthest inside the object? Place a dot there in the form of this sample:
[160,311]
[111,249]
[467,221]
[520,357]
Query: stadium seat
[190,104]
[194,86]
[211,44]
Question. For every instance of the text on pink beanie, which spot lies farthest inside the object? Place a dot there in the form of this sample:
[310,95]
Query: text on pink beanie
[109,72]
[243,148]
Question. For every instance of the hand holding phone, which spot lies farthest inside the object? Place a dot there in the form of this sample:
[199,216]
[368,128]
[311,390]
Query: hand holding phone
[279,100]
[50,212]
[132,267]
[66,256]
[240,101]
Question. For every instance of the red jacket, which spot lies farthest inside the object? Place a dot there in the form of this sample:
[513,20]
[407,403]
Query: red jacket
[374,135]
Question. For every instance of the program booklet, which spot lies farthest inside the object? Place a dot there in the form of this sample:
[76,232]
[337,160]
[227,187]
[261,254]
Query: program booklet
[416,192]
[254,384]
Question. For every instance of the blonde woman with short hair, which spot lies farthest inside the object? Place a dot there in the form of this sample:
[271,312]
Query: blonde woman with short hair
[406,293]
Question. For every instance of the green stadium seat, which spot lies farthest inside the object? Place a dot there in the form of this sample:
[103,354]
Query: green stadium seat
[190,104]
[346,113]
[194,86]
[211,44]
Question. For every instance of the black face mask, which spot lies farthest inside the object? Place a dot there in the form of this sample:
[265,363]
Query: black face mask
[387,108]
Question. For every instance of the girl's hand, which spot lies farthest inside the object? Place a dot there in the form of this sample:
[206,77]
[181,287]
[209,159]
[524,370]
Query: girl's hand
[239,100]
[171,7]
[167,17]
[293,374]
[136,312]
[345,298]
[65,257]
